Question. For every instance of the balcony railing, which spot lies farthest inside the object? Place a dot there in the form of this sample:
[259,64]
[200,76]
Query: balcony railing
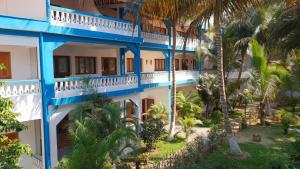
[26,96]
[162,77]
[77,86]
[155,38]
[191,43]
[154,77]
[20,88]
[184,75]
[81,20]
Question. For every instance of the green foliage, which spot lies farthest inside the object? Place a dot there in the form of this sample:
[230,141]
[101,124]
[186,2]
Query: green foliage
[98,138]
[187,123]
[188,105]
[216,117]
[152,129]
[10,150]
[158,111]
[287,119]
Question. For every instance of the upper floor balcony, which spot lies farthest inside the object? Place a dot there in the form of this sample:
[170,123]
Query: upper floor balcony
[69,18]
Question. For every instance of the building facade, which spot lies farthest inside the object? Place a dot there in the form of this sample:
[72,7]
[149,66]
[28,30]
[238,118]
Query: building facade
[57,53]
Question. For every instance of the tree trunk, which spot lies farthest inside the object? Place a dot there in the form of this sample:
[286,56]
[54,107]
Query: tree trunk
[243,53]
[173,89]
[234,146]
[262,113]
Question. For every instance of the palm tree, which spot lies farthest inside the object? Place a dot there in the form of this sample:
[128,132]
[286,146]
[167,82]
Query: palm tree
[218,9]
[267,78]
[173,11]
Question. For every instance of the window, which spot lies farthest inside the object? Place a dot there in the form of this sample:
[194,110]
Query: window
[177,64]
[130,65]
[109,66]
[185,64]
[85,65]
[5,60]
[160,64]
[61,66]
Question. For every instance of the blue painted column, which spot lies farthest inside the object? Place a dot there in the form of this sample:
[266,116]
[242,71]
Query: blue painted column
[135,49]
[139,25]
[48,91]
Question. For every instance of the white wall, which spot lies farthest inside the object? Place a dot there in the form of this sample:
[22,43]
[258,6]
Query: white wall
[75,50]
[34,9]
[23,62]
[160,95]
[189,57]
[148,58]
[32,137]
[187,88]
[86,5]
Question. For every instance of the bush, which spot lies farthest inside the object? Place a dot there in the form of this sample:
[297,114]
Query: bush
[207,123]
[187,124]
[152,129]
[216,117]
[287,118]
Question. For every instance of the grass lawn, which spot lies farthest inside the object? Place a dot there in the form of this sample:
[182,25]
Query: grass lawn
[274,148]
[164,148]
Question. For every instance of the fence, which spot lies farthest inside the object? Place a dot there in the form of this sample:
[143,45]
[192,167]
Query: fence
[195,151]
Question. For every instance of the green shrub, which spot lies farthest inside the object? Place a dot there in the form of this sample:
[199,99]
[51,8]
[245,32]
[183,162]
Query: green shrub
[216,117]
[207,123]
[287,119]
[152,129]
[187,123]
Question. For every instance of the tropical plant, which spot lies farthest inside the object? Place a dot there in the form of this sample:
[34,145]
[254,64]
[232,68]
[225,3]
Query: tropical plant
[10,150]
[152,129]
[287,119]
[158,111]
[172,12]
[208,91]
[218,9]
[188,104]
[267,79]
[187,123]
[98,136]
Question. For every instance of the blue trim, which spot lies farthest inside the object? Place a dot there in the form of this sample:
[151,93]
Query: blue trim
[77,99]
[122,59]
[46,93]
[139,25]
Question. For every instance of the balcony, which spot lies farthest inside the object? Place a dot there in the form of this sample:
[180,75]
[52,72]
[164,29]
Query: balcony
[79,86]
[155,38]
[26,96]
[63,17]
[191,43]
[162,77]
[154,77]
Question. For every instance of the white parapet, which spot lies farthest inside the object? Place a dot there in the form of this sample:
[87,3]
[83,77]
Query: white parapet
[74,19]
[155,77]
[77,86]
[26,96]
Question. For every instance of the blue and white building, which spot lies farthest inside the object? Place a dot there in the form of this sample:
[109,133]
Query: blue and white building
[58,52]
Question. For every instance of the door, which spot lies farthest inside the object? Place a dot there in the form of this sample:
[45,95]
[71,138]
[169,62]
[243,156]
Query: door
[146,104]
[109,66]
[63,137]
[61,66]
[5,60]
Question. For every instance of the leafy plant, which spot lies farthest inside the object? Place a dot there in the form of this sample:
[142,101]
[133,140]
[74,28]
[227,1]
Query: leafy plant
[152,129]
[216,117]
[98,137]
[187,123]
[188,105]
[287,119]
[158,111]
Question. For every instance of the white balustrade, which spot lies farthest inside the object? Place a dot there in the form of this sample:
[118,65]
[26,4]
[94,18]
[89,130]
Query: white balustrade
[19,88]
[186,75]
[70,87]
[156,77]
[155,38]
[68,18]
[190,44]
